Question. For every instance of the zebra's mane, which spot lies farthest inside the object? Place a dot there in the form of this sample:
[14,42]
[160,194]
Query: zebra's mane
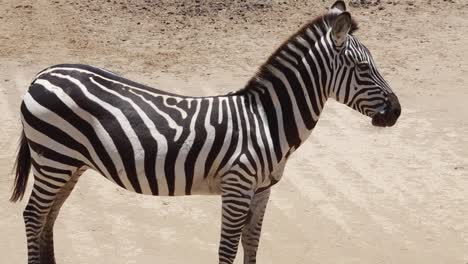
[323,23]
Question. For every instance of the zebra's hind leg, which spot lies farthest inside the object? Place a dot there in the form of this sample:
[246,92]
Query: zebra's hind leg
[253,226]
[50,191]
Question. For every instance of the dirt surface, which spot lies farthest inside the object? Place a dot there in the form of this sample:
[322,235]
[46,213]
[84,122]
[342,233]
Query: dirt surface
[352,194]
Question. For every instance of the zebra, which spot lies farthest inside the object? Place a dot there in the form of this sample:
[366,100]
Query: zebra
[79,117]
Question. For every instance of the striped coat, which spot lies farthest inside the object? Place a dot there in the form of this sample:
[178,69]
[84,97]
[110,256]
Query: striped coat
[79,117]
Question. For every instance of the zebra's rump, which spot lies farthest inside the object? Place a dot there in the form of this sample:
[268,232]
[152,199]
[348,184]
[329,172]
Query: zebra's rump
[143,139]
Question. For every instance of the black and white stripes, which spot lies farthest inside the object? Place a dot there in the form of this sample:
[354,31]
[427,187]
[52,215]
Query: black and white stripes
[78,117]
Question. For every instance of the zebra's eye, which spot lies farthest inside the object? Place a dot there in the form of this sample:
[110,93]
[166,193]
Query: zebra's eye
[363,66]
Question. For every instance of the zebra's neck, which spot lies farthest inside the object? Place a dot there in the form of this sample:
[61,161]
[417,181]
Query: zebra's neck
[293,86]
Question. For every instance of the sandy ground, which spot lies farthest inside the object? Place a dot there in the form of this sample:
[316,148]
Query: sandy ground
[353,194]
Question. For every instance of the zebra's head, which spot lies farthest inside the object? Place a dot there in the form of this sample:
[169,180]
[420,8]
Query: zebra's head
[356,81]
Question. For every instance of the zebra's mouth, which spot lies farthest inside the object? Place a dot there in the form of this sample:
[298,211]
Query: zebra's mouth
[379,119]
[387,117]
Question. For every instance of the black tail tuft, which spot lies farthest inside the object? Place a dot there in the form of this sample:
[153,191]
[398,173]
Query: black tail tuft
[23,166]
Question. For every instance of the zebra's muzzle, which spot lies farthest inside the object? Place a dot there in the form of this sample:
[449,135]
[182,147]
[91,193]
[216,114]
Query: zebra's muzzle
[389,115]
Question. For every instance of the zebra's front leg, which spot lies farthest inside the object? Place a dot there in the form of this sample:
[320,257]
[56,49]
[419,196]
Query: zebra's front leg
[253,226]
[236,197]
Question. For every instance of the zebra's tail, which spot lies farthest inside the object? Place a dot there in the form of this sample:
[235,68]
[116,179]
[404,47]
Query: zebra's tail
[22,167]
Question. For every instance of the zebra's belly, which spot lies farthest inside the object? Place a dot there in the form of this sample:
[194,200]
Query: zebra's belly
[163,174]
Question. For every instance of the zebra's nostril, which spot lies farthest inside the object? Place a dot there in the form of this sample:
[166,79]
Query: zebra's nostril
[396,112]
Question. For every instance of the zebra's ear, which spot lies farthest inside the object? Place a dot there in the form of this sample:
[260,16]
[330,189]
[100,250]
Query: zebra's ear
[340,5]
[341,28]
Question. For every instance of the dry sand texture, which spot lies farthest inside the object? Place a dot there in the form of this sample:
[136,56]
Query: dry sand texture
[353,194]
